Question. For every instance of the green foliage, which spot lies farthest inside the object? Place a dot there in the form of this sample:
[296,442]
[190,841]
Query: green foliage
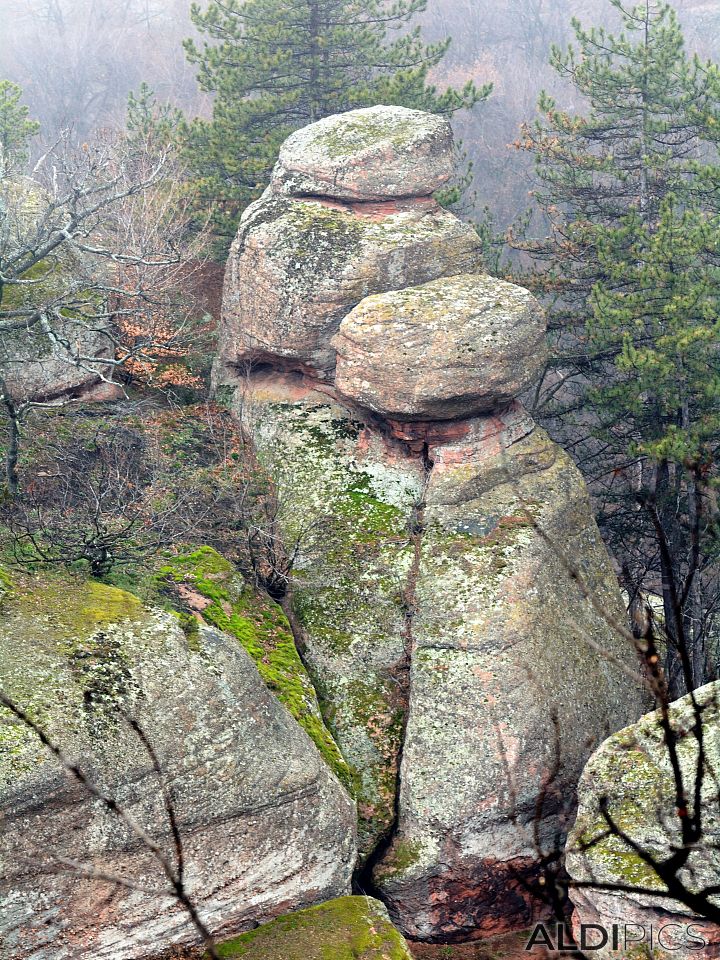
[629,271]
[149,122]
[658,314]
[276,65]
[16,130]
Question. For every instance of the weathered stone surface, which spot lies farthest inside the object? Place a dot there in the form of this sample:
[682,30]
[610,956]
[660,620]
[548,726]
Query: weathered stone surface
[445,636]
[33,364]
[266,826]
[429,586]
[376,153]
[348,496]
[632,770]
[297,267]
[502,641]
[348,928]
[450,348]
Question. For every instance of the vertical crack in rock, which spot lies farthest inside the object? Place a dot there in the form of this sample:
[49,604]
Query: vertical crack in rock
[364,881]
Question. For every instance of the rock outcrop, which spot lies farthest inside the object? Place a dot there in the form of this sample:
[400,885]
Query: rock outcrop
[632,774]
[348,928]
[379,153]
[313,261]
[441,536]
[448,349]
[34,365]
[265,824]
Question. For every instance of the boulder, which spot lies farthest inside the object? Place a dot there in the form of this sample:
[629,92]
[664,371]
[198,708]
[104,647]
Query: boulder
[447,349]
[266,826]
[296,268]
[506,674]
[376,153]
[632,771]
[33,364]
[348,928]
[434,621]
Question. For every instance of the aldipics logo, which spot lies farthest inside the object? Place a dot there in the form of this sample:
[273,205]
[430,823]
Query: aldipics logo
[623,938]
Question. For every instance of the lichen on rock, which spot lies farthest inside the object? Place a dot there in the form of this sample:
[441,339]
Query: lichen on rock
[447,349]
[349,509]
[312,262]
[265,825]
[374,153]
[631,775]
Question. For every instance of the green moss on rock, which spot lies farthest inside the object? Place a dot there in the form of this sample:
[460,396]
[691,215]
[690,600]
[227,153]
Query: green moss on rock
[263,629]
[62,659]
[348,928]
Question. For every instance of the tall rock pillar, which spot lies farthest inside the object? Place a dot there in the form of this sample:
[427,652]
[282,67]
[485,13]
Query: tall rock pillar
[459,667]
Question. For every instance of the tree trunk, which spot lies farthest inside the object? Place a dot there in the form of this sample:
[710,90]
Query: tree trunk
[13,447]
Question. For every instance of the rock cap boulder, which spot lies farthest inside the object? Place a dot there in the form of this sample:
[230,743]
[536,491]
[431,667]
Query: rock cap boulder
[451,348]
[376,153]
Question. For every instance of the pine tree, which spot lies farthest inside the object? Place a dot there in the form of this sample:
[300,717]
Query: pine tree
[276,65]
[16,130]
[630,275]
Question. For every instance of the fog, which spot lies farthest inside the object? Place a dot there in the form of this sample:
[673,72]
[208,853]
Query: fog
[78,59]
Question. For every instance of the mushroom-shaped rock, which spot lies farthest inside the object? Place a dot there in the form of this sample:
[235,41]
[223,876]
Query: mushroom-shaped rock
[377,153]
[447,349]
[298,266]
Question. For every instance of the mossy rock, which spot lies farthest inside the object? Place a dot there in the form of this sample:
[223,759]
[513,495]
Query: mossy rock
[82,658]
[632,771]
[262,628]
[348,928]
[350,579]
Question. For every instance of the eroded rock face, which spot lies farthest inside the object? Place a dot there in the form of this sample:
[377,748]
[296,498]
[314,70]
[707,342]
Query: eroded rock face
[348,495]
[311,263]
[633,770]
[446,350]
[377,153]
[266,826]
[443,634]
[348,928]
[503,643]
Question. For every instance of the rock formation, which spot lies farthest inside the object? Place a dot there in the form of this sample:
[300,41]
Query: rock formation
[266,826]
[440,533]
[633,771]
[348,928]
[32,365]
